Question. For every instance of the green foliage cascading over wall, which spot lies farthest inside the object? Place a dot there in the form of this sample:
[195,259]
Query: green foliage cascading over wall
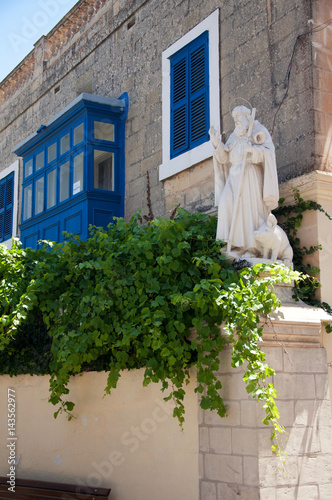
[290,218]
[136,296]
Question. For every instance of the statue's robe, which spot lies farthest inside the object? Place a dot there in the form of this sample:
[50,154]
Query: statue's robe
[246,187]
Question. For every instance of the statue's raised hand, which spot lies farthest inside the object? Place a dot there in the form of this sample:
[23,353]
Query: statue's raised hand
[214,134]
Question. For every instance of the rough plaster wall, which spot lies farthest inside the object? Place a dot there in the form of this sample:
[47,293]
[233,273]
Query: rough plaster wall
[256,42]
[127,441]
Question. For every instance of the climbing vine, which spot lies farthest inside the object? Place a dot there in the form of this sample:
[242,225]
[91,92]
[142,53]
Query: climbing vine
[290,217]
[151,296]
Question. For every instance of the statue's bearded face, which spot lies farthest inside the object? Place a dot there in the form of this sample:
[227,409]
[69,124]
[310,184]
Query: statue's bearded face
[241,125]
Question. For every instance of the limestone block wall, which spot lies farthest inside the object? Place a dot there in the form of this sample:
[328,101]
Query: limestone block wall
[257,40]
[316,229]
[235,455]
[229,446]
[302,385]
[322,57]
[192,188]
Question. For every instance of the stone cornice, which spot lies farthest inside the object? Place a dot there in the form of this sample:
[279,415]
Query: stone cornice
[297,325]
[47,48]
[316,185]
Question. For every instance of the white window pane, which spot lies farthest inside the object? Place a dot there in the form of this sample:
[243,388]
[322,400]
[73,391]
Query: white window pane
[64,144]
[51,189]
[78,134]
[40,160]
[104,131]
[51,152]
[39,195]
[64,181]
[78,174]
[27,208]
[103,170]
[28,168]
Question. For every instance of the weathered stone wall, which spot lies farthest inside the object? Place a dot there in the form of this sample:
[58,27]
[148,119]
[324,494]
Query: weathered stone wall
[316,229]
[117,47]
[257,40]
[322,55]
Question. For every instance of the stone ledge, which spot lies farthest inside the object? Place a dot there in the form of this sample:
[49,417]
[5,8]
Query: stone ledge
[293,324]
[297,325]
[315,185]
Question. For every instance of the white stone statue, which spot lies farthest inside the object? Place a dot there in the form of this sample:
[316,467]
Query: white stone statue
[246,190]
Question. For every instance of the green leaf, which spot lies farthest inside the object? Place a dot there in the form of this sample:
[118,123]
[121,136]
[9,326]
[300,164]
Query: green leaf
[146,296]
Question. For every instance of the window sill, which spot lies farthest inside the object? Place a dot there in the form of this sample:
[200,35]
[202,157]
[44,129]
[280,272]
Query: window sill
[7,243]
[188,159]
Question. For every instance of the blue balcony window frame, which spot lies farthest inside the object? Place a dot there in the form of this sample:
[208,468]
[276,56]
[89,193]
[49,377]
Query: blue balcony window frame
[26,160]
[42,150]
[54,165]
[48,171]
[77,152]
[65,160]
[34,194]
[91,129]
[30,183]
[70,132]
[107,149]
[88,201]
[189,81]
[56,142]
[85,126]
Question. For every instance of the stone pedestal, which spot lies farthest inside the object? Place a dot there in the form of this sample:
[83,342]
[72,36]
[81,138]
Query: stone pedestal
[235,453]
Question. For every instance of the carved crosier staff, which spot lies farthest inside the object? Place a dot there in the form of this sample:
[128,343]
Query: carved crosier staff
[238,194]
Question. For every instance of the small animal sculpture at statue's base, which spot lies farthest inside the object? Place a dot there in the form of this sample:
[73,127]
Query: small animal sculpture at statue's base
[274,241]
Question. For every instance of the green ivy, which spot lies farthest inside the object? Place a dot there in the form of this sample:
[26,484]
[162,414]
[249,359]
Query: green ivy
[138,296]
[290,218]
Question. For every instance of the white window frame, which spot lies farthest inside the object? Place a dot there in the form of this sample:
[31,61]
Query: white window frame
[189,158]
[14,167]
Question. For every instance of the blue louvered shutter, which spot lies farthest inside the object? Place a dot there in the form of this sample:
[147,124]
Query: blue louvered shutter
[190,96]
[2,208]
[6,207]
[179,105]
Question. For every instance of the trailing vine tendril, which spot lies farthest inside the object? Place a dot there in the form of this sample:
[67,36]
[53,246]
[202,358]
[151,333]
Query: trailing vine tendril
[138,296]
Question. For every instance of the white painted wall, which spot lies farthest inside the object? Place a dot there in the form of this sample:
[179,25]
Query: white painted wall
[127,441]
